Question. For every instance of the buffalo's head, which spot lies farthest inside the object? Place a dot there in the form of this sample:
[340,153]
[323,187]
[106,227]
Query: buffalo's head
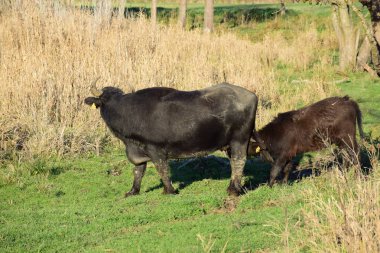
[100,97]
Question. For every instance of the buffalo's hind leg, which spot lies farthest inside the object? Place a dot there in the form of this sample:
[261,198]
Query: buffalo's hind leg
[162,167]
[237,160]
[138,173]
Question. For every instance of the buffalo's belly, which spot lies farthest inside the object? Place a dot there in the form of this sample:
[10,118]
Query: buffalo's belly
[196,147]
[207,136]
[177,155]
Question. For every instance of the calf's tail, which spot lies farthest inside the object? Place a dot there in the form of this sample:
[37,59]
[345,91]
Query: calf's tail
[359,120]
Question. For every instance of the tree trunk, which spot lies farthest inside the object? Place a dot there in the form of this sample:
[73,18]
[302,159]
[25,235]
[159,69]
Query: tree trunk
[209,16]
[182,13]
[364,53]
[102,11]
[363,57]
[282,7]
[347,37]
[373,7]
[376,33]
[376,52]
[153,12]
[121,8]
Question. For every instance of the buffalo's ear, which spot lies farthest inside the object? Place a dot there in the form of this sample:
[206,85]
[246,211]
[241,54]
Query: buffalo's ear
[93,101]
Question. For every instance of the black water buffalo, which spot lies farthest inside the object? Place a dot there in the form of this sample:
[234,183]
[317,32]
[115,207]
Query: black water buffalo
[307,129]
[157,124]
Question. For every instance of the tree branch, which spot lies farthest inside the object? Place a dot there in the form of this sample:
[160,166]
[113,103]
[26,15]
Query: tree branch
[372,72]
[367,30]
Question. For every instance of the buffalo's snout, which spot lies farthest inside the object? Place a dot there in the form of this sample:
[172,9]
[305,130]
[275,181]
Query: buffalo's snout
[93,101]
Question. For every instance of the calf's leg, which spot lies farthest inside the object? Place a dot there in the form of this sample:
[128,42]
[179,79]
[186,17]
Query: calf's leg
[276,169]
[350,145]
[138,173]
[287,169]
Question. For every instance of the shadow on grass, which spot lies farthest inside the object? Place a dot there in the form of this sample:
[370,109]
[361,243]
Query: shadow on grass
[368,154]
[187,171]
[256,171]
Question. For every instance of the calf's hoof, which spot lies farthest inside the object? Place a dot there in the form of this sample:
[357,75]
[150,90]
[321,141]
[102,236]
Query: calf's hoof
[131,193]
[284,181]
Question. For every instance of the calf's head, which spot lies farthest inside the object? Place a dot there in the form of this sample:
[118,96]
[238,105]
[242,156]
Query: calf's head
[253,148]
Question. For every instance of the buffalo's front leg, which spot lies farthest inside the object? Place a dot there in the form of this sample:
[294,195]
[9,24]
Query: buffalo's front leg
[162,167]
[138,173]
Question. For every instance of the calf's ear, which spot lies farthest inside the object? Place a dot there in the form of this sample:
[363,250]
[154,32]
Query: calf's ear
[253,148]
[93,101]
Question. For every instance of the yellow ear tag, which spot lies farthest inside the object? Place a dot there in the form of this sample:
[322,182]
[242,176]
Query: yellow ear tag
[93,106]
[257,149]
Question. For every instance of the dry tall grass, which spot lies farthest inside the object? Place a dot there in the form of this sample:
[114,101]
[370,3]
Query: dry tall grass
[342,212]
[116,2]
[349,221]
[49,55]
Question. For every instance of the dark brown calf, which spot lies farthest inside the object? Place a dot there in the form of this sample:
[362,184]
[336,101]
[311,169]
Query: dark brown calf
[307,129]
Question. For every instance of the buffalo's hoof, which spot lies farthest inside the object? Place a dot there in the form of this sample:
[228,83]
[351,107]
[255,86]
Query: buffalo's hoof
[232,191]
[170,192]
[271,183]
[131,193]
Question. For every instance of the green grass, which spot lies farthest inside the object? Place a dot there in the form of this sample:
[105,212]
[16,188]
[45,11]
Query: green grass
[82,208]
[366,91]
[233,16]
[225,15]
[74,205]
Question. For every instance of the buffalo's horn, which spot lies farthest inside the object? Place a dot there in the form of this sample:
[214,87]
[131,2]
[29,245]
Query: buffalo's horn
[94,91]
[131,87]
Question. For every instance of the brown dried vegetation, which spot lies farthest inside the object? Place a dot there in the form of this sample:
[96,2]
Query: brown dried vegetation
[50,53]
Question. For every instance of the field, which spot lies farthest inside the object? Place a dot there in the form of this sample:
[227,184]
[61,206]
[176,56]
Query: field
[63,175]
